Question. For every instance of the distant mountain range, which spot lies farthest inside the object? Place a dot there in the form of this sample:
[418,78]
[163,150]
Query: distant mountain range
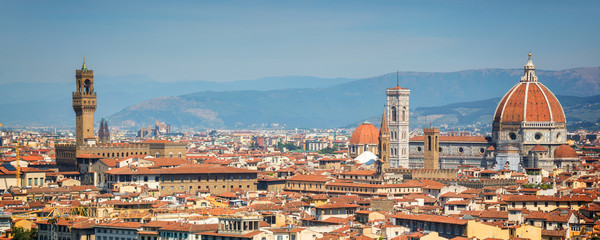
[581,112]
[300,102]
[49,104]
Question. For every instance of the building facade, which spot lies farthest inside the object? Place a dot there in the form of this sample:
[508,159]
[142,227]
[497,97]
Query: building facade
[84,105]
[398,116]
[530,115]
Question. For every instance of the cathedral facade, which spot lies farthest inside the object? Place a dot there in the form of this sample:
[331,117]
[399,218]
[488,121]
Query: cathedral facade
[528,131]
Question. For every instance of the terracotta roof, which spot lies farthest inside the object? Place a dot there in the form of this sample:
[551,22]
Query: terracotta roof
[309,178]
[531,102]
[157,141]
[88,155]
[565,151]
[83,188]
[337,205]
[182,169]
[431,218]
[396,88]
[365,133]
[532,198]
[360,172]
[109,162]
[538,148]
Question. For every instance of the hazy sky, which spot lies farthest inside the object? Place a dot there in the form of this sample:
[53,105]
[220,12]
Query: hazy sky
[235,40]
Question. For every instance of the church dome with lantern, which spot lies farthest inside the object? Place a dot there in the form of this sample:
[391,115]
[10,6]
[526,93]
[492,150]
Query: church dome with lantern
[529,115]
[364,138]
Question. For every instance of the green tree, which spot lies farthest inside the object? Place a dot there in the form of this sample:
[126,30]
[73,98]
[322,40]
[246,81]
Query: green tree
[24,234]
[328,150]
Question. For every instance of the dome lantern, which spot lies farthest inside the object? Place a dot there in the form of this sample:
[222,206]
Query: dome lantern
[529,68]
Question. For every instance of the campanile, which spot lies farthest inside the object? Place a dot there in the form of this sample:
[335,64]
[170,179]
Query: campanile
[84,104]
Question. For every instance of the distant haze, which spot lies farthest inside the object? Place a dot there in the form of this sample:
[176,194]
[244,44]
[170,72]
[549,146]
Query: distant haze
[135,100]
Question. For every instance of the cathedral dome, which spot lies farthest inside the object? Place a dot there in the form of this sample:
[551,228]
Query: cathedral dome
[366,133]
[529,101]
[565,151]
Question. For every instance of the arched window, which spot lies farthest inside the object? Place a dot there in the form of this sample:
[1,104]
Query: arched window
[87,85]
[429,143]
[394,114]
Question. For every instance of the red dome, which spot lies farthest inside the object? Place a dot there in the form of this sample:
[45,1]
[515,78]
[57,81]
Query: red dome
[531,102]
[565,151]
[366,133]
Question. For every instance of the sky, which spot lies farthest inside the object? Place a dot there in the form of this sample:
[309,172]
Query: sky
[45,41]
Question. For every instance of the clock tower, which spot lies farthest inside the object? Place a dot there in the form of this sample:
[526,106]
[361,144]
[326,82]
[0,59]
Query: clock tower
[84,104]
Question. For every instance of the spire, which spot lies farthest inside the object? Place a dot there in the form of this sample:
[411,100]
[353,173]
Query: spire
[397,78]
[83,67]
[384,129]
[101,129]
[529,75]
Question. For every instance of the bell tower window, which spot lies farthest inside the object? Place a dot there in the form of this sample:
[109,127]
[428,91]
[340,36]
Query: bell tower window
[87,85]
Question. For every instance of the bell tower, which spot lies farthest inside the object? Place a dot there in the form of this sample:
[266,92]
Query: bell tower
[397,108]
[432,148]
[84,104]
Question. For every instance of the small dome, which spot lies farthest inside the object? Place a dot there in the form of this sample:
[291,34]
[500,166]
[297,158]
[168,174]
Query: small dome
[366,133]
[565,151]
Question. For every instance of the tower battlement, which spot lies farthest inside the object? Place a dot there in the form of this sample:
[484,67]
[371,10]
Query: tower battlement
[427,130]
[84,94]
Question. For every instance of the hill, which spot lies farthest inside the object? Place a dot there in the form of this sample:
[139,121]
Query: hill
[295,102]
[352,101]
[49,104]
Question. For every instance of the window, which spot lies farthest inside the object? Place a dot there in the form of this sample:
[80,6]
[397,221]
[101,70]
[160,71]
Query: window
[428,143]
[394,114]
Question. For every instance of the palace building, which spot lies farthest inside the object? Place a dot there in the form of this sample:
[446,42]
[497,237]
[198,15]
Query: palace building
[68,156]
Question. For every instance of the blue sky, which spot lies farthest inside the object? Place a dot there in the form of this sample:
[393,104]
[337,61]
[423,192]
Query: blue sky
[44,41]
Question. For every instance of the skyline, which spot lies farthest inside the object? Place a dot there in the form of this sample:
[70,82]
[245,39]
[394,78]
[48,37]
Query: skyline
[235,40]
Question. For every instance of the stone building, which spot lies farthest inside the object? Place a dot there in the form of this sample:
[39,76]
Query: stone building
[431,147]
[84,105]
[453,151]
[530,115]
[398,116]
[186,178]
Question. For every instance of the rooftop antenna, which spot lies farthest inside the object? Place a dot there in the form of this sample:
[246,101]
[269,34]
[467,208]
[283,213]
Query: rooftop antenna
[397,78]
